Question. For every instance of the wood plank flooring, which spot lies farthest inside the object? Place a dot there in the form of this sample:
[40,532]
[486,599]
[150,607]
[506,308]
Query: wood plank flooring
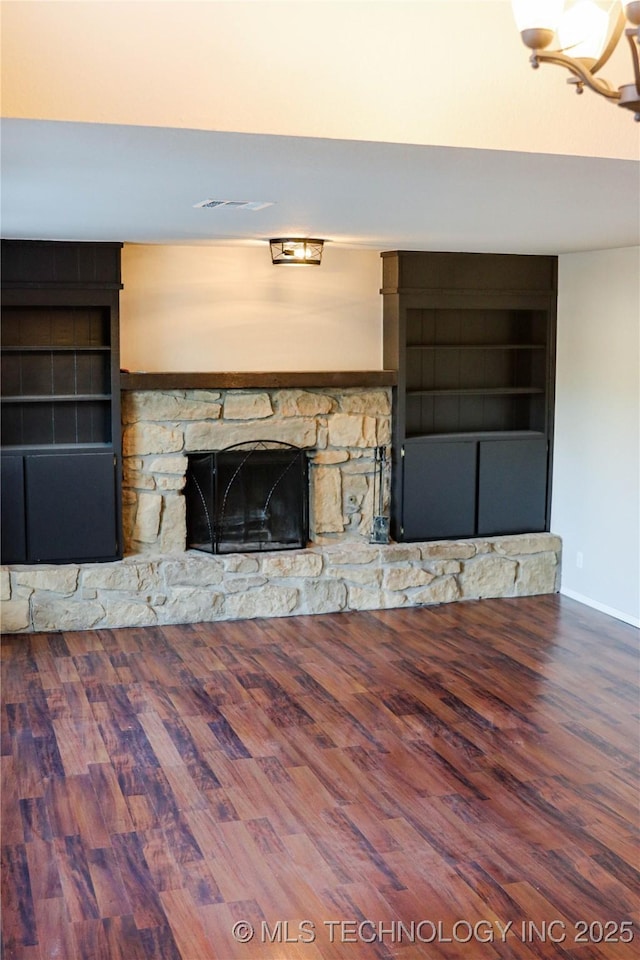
[457,781]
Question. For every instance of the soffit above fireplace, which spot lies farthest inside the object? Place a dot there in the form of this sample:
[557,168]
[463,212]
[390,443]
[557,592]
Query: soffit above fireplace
[240,380]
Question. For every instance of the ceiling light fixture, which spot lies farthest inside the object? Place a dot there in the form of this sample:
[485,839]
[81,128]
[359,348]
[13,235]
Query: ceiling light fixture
[296,250]
[587,33]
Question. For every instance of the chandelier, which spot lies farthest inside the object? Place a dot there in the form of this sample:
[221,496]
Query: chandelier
[587,33]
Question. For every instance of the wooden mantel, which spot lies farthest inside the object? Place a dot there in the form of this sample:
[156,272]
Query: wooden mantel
[265,380]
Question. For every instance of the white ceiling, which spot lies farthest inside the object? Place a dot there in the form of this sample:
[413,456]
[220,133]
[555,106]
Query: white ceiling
[87,181]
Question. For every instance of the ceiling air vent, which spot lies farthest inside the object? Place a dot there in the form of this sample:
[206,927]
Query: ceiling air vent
[245,204]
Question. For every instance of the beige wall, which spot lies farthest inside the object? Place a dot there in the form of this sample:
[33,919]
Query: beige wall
[596,482]
[317,69]
[222,308]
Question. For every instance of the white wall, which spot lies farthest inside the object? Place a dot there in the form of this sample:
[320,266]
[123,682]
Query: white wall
[224,308]
[596,477]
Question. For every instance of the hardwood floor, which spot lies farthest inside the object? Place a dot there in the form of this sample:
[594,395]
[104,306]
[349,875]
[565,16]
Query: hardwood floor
[457,781]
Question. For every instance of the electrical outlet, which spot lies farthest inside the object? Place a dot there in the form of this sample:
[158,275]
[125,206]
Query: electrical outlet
[579,560]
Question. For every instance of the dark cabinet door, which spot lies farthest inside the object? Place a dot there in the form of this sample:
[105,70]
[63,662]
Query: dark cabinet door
[71,507]
[439,489]
[14,547]
[512,486]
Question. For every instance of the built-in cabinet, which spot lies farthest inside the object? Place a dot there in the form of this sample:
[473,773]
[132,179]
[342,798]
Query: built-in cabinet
[473,339]
[61,460]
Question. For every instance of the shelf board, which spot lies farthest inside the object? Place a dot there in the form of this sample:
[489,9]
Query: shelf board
[474,435]
[137,380]
[56,349]
[476,346]
[476,392]
[16,448]
[56,398]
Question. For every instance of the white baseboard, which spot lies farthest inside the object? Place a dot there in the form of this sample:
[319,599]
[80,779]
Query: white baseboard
[602,607]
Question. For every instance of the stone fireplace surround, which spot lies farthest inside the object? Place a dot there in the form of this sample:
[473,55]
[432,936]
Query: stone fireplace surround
[159,582]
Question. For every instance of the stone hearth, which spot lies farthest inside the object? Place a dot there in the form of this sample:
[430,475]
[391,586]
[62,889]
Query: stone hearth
[193,587]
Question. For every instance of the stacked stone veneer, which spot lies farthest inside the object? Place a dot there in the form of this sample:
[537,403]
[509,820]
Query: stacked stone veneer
[159,428]
[141,591]
[159,582]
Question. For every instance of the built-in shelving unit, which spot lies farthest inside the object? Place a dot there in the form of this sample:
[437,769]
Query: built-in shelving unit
[472,336]
[60,401]
[56,375]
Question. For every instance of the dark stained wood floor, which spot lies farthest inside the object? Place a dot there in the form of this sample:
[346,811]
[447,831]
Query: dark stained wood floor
[407,783]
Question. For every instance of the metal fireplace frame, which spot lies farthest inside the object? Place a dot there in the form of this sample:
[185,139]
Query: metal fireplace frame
[253,533]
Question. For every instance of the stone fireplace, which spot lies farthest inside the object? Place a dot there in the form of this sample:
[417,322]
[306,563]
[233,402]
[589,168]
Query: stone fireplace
[343,427]
[159,581]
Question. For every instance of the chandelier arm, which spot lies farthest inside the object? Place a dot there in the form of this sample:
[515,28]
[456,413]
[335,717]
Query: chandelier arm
[578,69]
[616,33]
[631,37]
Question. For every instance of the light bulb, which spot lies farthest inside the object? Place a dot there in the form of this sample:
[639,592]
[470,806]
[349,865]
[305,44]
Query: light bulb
[537,14]
[582,30]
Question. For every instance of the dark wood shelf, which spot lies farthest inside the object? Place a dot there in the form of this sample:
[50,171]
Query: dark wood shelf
[56,397]
[476,391]
[476,346]
[473,435]
[249,380]
[56,349]
[46,448]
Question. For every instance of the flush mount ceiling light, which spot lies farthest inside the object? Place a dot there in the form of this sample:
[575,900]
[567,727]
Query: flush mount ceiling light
[298,250]
[587,33]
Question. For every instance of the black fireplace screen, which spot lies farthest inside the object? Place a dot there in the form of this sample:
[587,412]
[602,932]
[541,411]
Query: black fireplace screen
[247,497]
